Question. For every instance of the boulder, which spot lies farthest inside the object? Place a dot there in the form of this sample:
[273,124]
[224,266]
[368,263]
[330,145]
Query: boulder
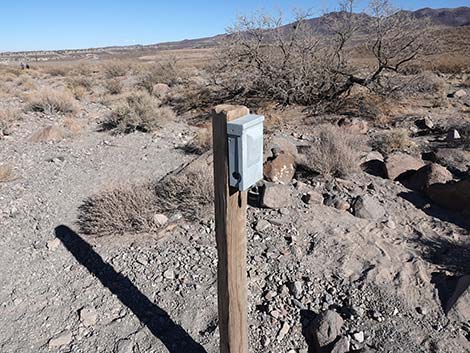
[398,163]
[354,126]
[457,306]
[367,207]
[312,197]
[50,133]
[282,144]
[280,168]
[428,175]
[456,160]
[325,328]
[275,196]
[454,196]
[342,346]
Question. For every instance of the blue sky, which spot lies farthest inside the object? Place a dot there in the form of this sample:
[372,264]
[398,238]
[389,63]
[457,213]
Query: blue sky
[62,24]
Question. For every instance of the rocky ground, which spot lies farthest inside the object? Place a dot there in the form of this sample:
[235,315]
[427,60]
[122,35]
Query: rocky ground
[361,264]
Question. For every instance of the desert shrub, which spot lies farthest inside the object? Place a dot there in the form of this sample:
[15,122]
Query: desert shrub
[334,152]
[295,64]
[190,192]
[25,82]
[392,141]
[138,111]
[51,101]
[115,69]
[8,116]
[6,173]
[201,143]
[131,208]
[55,70]
[113,86]
[124,209]
[165,72]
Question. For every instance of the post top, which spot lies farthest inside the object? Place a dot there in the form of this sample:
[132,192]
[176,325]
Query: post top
[230,111]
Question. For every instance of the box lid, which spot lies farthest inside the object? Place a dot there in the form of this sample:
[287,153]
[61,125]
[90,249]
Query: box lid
[237,126]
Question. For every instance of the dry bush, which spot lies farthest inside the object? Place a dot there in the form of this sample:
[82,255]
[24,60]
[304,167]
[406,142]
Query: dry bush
[6,173]
[334,152]
[138,111]
[8,116]
[55,70]
[131,209]
[113,86]
[201,143]
[125,209]
[51,101]
[293,64]
[392,141]
[25,82]
[115,69]
[190,192]
[161,73]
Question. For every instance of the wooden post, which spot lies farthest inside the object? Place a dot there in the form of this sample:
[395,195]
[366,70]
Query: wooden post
[230,223]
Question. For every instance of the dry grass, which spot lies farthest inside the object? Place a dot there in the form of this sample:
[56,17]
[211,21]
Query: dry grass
[52,101]
[334,152]
[201,143]
[8,116]
[124,209]
[6,173]
[131,209]
[115,69]
[392,141]
[138,111]
[113,86]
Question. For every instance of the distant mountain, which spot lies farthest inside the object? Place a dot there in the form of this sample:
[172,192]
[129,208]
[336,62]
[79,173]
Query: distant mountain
[457,17]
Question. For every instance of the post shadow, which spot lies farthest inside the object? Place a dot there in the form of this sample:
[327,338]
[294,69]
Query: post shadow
[172,335]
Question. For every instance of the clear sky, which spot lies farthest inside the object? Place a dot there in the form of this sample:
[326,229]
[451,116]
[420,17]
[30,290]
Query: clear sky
[62,24]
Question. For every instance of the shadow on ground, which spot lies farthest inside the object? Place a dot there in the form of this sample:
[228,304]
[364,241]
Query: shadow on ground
[433,210]
[172,335]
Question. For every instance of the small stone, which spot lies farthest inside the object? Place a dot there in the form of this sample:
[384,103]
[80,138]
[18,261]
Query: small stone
[358,336]
[88,316]
[342,205]
[296,289]
[458,94]
[421,310]
[61,340]
[283,331]
[367,207]
[262,225]
[53,244]
[160,219]
[169,274]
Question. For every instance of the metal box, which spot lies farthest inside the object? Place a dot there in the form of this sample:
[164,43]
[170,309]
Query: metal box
[245,149]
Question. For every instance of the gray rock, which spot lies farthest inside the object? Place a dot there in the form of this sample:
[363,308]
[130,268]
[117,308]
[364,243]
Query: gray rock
[262,225]
[283,331]
[398,163]
[458,94]
[169,274]
[88,316]
[276,196]
[358,336]
[367,207]
[342,346]
[312,197]
[325,328]
[60,340]
[296,289]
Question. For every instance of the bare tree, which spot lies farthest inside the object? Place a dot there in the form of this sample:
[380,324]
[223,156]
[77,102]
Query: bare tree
[296,64]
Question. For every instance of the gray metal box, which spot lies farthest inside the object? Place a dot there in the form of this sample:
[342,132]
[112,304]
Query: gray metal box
[245,146]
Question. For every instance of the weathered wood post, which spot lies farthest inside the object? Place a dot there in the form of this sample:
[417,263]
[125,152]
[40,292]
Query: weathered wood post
[230,223]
